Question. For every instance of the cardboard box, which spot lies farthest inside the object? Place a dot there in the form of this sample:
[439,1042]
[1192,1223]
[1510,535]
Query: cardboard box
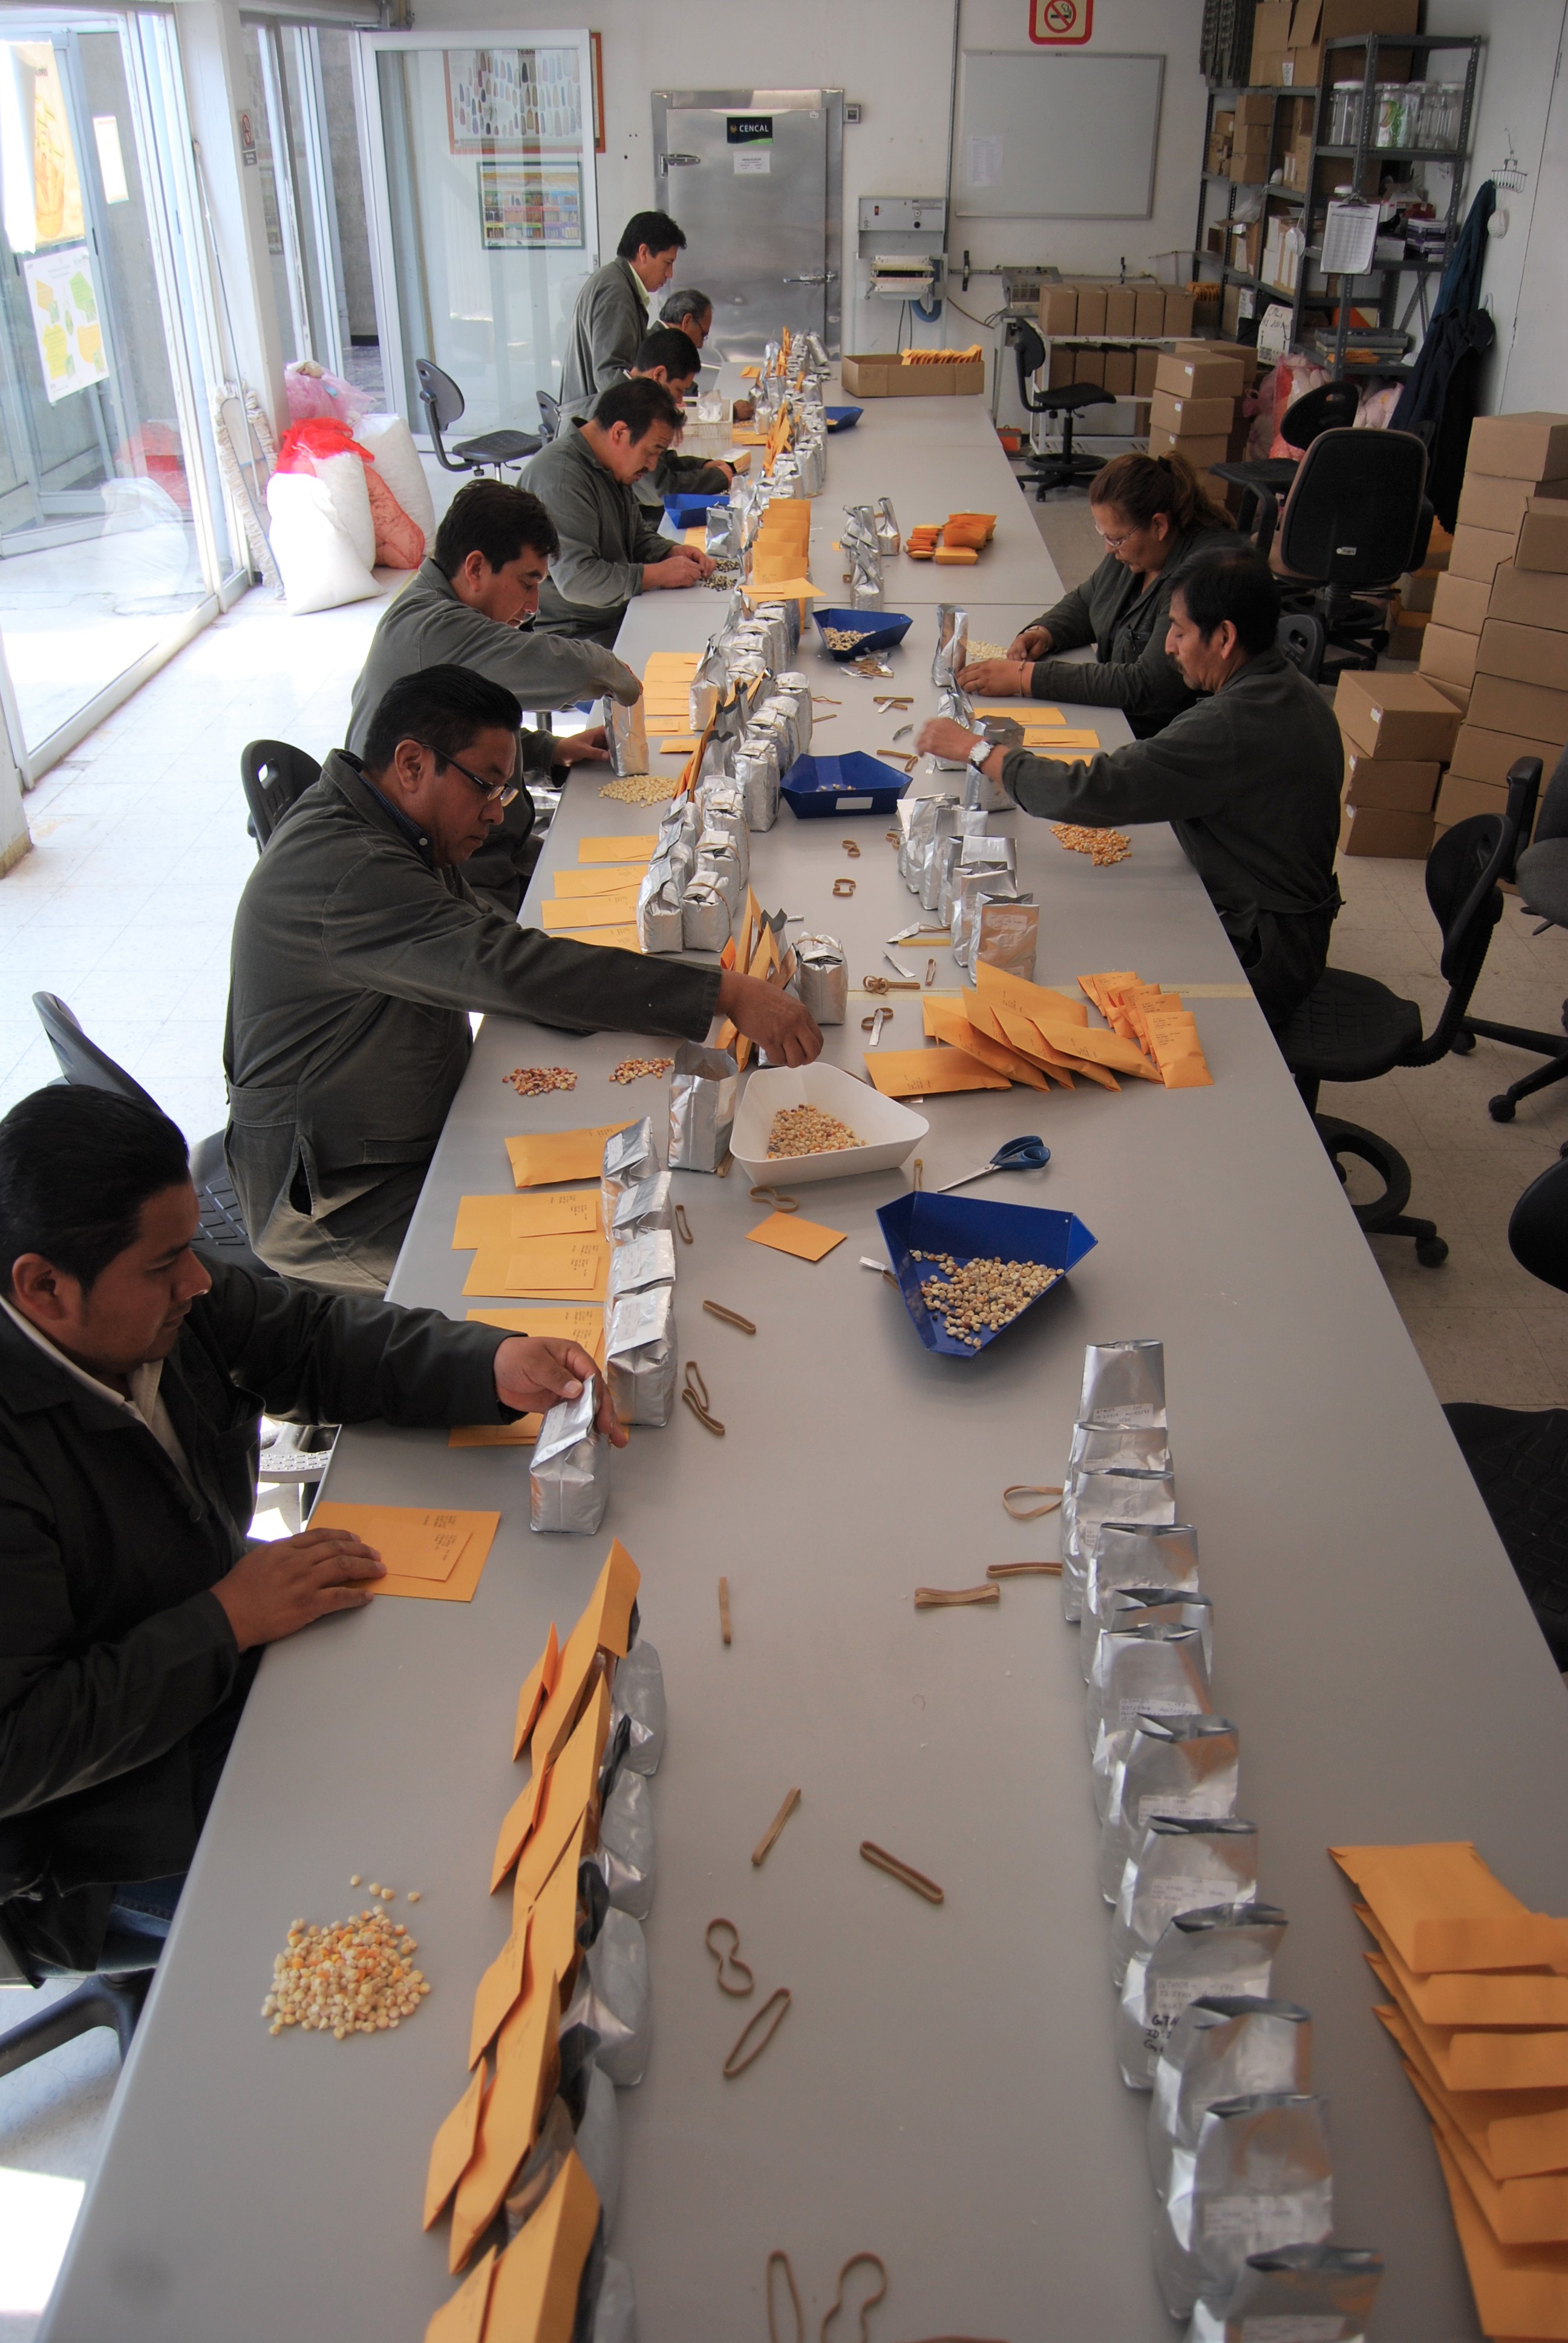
[1530,597]
[1490,757]
[1403,717]
[1250,165]
[1145,367]
[1378,829]
[1455,602]
[1255,111]
[1198,377]
[1448,657]
[1486,500]
[1531,447]
[1476,552]
[878,375]
[1499,704]
[1192,418]
[1313,22]
[1092,308]
[1296,162]
[1120,373]
[1459,798]
[1199,453]
[1270,39]
[1088,365]
[1058,308]
[1456,694]
[1544,536]
[1150,312]
[1064,358]
[1121,310]
[1178,308]
[1526,654]
[1396,787]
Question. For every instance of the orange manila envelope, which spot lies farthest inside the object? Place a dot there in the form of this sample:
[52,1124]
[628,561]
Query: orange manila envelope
[1520,2290]
[1493,2132]
[510,2116]
[619,846]
[1517,2212]
[605,1625]
[534,2294]
[1022,1035]
[499,1220]
[542,1156]
[1100,987]
[576,1265]
[543,1818]
[452,2147]
[497,1990]
[787,1232]
[553,1922]
[1098,1045]
[1443,1909]
[584,1326]
[945,1021]
[586,911]
[926,1073]
[417,1547]
[462,2319]
[1472,2060]
[536,1689]
[1535,1997]
[608,878]
[607,939]
[1177,1050]
[1025,999]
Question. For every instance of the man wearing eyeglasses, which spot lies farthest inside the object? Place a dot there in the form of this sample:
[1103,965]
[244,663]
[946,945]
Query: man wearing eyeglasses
[359,951]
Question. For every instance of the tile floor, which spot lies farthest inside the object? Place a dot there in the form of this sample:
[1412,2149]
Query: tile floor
[124,907]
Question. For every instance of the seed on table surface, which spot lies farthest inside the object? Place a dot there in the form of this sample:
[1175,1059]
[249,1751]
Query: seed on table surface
[844,638]
[348,1976]
[533,1082]
[807,1131]
[1104,847]
[353,1879]
[414,1895]
[981,1293]
[987,650]
[639,789]
[632,1070]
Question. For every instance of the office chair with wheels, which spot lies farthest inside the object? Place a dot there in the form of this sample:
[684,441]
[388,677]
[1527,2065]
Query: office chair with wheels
[1356,517]
[1301,635]
[1350,1029]
[111,1996]
[491,451]
[1544,891]
[1519,1457]
[550,417]
[1332,406]
[1065,470]
[274,776]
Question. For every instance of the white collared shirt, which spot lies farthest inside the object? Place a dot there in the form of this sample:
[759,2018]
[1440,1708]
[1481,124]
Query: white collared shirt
[146,1404]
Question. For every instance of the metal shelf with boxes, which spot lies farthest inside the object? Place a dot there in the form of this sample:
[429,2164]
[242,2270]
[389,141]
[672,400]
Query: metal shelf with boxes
[1345,98]
[1112,332]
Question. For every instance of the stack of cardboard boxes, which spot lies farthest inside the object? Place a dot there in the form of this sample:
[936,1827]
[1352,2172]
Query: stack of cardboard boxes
[1399,732]
[1140,311]
[1288,37]
[1251,136]
[1193,410]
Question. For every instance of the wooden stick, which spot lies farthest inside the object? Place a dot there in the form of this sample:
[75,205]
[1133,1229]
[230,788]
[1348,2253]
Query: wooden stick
[1023,1570]
[730,1317]
[901,1871]
[948,1598]
[724,1608]
[759,1850]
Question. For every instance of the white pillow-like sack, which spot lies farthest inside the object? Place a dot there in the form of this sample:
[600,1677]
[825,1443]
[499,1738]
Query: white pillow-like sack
[390,441]
[343,478]
[320,563]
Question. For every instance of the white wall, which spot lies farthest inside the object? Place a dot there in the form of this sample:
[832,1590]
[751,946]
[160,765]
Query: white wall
[1535,372]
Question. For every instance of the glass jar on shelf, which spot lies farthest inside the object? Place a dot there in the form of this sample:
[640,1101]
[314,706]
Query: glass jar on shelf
[1391,123]
[1442,108]
[1344,114]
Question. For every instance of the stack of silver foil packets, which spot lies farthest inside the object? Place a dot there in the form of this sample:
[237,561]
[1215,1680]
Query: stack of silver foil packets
[640,1356]
[1237,2140]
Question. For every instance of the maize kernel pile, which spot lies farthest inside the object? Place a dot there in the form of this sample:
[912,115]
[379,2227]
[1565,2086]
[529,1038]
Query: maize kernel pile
[1104,847]
[983,1294]
[632,1070]
[352,1977]
[807,1131]
[844,638]
[533,1082]
[639,789]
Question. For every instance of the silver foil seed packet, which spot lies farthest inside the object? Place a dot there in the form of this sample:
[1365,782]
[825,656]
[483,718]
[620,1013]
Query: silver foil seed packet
[1090,1500]
[951,655]
[702,1093]
[822,978]
[1146,1606]
[1140,1553]
[1139,1672]
[627,737]
[1261,2176]
[641,1209]
[1298,2294]
[1174,1766]
[568,1478]
[641,1361]
[646,1262]
[1222,2046]
[1229,1948]
[1124,1383]
[1183,1864]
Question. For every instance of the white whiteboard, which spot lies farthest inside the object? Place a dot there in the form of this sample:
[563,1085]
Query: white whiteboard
[1051,133]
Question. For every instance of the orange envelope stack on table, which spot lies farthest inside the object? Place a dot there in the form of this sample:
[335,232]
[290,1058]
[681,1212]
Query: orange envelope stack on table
[1012,1028]
[1476,1988]
[781,553]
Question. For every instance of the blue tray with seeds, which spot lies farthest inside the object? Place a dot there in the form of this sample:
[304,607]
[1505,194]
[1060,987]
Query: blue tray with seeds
[964,1229]
[843,418]
[848,634]
[815,787]
[689,506]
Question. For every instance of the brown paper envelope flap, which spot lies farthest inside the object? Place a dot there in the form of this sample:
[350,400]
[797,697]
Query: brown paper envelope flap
[1471,2111]
[552,1921]
[412,1542]
[497,1990]
[1520,2290]
[460,1587]
[924,1073]
[614,1593]
[806,1240]
[517,1827]
[1537,2141]
[1420,1892]
[462,2319]
[566,1793]
[1098,987]
[1469,2060]
[603,879]
[944,1022]
[1532,1942]
[1026,998]
[570,1268]
[508,2118]
[591,912]
[501,1220]
[572,1324]
[543,1156]
[1474,1997]
[534,2293]
[537,1687]
[452,2147]
[1532,2212]
[1099,1046]
[605,1624]
[520,1435]
[619,846]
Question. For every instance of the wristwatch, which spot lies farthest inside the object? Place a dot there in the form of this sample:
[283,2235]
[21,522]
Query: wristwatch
[979,753]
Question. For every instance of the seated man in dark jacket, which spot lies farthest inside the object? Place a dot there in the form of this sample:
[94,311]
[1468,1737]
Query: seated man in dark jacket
[1248,778]
[133,1374]
[611,548]
[359,951]
[668,357]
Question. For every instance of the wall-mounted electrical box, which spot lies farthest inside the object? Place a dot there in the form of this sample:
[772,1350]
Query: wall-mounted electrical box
[902,242]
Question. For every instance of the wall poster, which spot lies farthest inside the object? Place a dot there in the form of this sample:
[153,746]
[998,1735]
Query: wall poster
[63,302]
[513,101]
[531,207]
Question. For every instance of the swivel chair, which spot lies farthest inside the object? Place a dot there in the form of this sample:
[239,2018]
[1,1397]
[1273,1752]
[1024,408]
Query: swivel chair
[1331,407]
[1350,1029]
[1543,887]
[1300,635]
[1065,470]
[550,417]
[1519,1457]
[274,777]
[491,451]
[111,1996]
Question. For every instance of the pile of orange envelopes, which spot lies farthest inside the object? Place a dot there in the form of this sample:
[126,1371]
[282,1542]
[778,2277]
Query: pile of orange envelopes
[1010,1030]
[528,2292]
[1477,1987]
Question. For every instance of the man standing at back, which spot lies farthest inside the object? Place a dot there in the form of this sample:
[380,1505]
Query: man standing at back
[611,314]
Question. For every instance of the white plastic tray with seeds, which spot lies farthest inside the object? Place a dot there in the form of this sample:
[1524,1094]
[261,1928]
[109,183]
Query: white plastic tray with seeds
[885,1133]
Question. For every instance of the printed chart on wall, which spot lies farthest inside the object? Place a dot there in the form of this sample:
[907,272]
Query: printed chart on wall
[63,301]
[514,101]
[531,207]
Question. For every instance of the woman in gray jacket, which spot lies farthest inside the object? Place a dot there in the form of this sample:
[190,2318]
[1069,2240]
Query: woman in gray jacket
[1151,512]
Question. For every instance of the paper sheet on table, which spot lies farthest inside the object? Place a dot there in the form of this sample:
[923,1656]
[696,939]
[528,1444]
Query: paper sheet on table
[791,587]
[1468,2059]
[945,1021]
[451,2149]
[575,1269]
[787,1232]
[1473,1998]
[1520,2290]
[534,2292]
[605,1624]
[1444,1910]
[535,1690]
[618,846]
[417,1547]
[510,2116]
[606,878]
[929,1073]
[1532,2212]
[608,938]
[564,915]
[461,2317]
[1497,2135]
[1014,715]
[498,1219]
[540,1157]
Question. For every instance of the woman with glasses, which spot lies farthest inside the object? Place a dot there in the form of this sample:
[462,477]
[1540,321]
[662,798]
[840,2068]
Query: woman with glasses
[1151,512]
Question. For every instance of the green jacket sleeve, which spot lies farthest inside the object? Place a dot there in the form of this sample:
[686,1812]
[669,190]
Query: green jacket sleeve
[544,670]
[1070,623]
[1150,682]
[1178,775]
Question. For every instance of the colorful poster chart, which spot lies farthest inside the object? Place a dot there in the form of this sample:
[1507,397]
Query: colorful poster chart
[509,101]
[64,303]
[531,207]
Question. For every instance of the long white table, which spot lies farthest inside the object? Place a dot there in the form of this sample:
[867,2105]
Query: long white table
[944,2089]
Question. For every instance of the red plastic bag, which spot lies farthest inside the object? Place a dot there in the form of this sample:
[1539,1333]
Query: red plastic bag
[399,541]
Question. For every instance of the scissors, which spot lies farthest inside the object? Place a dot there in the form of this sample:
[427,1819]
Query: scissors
[1028,1154]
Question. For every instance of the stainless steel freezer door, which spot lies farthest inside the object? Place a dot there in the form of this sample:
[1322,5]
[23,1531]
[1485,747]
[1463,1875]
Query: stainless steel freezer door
[754,177]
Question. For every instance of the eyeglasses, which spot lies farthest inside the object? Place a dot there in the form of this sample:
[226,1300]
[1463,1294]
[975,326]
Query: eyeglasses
[1113,543]
[500,793]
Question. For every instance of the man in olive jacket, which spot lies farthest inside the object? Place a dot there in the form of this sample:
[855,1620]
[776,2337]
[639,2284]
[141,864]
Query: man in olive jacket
[1248,778]
[611,314]
[611,547]
[359,951]
[133,1374]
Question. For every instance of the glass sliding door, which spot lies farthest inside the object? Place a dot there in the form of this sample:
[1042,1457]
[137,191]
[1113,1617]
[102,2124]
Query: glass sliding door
[111,538]
[479,158]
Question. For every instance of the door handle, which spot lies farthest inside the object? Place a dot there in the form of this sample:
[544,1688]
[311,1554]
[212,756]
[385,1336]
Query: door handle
[813,277]
[673,162]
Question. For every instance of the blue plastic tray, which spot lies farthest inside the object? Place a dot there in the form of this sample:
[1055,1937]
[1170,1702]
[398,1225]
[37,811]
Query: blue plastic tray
[815,787]
[686,511]
[966,1227]
[874,630]
[843,418]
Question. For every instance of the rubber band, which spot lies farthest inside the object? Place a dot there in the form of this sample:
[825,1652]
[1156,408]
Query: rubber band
[776,2257]
[682,1225]
[951,1598]
[876,2262]
[724,1608]
[1023,1570]
[732,1960]
[730,1317]
[903,1871]
[778,2001]
[1030,1489]
[780,1203]
[759,1850]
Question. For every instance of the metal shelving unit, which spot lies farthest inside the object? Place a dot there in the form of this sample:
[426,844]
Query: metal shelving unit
[1315,298]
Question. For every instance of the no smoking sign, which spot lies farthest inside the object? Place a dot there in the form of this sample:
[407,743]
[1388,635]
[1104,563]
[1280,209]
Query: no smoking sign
[1060,24]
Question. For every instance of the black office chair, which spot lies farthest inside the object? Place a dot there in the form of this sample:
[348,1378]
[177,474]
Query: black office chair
[1355,519]
[549,416]
[1350,1029]
[1331,407]
[1544,891]
[1065,470]
[1519,1457]
[87,1066]
[1301,635]
[274,777]
[111,1996]
[491,451]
